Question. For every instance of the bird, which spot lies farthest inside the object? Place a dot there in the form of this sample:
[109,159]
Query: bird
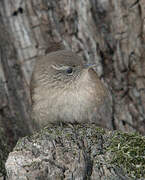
[65,89]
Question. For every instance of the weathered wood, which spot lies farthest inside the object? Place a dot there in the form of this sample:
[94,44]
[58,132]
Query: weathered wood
[77,152]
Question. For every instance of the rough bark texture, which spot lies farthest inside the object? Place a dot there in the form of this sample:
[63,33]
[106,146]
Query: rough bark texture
[77,152]
[107,32]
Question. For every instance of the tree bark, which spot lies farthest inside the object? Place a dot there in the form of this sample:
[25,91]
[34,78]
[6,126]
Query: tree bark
[77,152]
[109,33]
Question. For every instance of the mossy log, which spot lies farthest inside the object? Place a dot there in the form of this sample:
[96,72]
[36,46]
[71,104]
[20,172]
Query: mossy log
[77,152]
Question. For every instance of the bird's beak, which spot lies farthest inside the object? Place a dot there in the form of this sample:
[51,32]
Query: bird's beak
[88,66]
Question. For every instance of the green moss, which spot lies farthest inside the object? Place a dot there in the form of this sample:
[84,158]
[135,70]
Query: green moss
[129,152]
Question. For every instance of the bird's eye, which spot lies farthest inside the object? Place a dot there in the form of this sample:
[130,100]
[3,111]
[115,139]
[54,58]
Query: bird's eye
[69,70]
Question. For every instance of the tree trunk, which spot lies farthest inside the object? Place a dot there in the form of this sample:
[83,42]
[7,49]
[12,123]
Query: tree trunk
[109,33]
[78,152]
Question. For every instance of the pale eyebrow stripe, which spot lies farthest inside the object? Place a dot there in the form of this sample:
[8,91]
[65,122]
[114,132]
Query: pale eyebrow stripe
[59,67]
